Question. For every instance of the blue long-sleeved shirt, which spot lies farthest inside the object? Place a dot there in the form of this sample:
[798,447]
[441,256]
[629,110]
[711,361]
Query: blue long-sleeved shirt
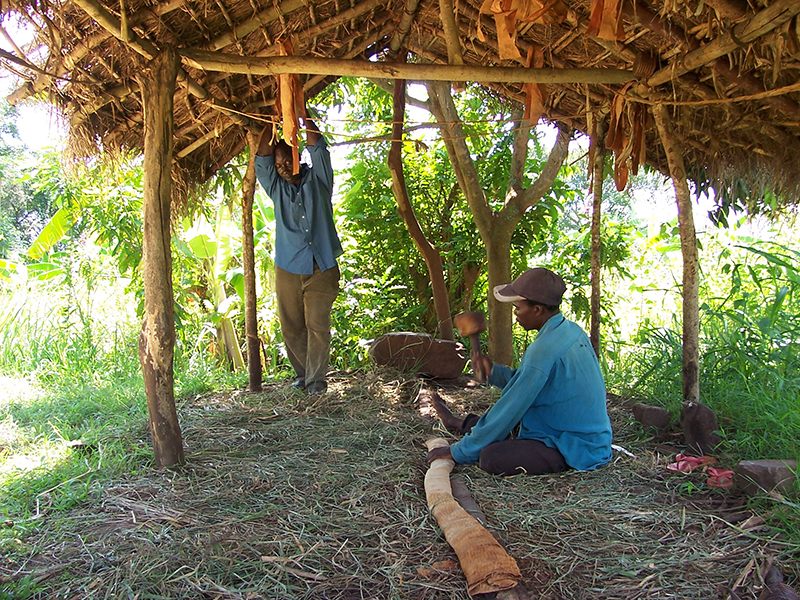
[304,228]
[557,395]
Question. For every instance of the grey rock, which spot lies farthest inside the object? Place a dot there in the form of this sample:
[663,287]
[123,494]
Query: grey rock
[419,353]
[754,476]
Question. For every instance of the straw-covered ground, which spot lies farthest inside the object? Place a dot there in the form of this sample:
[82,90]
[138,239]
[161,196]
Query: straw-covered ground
[286,496]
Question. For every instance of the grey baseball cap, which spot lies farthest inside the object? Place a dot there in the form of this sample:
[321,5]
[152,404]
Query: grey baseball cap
[538,285]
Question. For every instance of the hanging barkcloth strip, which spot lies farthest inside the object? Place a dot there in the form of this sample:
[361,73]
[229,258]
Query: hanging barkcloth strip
[617,138]
[605,21]
[534,96]
[290,104]
[508,14]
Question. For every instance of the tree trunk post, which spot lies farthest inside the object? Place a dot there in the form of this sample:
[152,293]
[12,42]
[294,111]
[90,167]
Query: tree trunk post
[249,265]
[501,322]
[597,249]
[433,260]
[691,292]
[157,338]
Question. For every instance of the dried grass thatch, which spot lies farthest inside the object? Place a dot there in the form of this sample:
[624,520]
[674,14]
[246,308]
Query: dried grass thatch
[290,497]
[733,86]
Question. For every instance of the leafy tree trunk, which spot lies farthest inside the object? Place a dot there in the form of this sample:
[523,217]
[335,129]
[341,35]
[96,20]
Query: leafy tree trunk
[691,289]
[157,338]
[496,228]
[249,266]
[433,259]
[598,162]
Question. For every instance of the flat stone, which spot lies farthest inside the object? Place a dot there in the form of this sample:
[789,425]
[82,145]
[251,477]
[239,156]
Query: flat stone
[699,424]
[419,353]
[756,476]
[651,416]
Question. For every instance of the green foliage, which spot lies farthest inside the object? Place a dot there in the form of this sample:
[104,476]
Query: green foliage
[749,351]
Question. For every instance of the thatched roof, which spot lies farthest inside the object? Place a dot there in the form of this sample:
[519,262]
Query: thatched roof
[729,68]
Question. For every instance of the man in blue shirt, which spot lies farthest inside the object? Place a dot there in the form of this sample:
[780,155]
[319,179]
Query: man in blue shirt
[306,248]
[556,397]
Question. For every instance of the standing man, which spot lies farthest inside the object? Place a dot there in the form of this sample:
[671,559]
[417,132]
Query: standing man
[306,248]
[557,396]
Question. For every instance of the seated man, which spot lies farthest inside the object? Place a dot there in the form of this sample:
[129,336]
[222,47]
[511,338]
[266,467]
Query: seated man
[557,396]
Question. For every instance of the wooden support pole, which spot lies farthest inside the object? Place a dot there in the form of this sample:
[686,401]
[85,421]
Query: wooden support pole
[598,171]
[276,65]
[448,16]
[149,50]
[691,288]
[249,267]
[775,15]
[432,257]
[403,27]
[157,338]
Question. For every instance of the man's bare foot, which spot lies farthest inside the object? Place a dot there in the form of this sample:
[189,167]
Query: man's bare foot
[452,423]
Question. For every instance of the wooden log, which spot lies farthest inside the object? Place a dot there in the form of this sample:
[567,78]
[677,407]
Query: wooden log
[598,164]
[231,63]
[487,567]
[747,81]
[775,15]
[249,267]
[432,257]
[451,33]
[82,48]
[688,236]
[403,27]
[149,50]
[157,338]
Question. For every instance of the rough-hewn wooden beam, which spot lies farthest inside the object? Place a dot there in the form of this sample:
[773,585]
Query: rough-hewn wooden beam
[83,48]
[261,19]
[763,22]
[747,81]
[249,267]
[230,63]
[157,338]
[451,32]
[149,50]
[691,289]
[308,87]
[403,27]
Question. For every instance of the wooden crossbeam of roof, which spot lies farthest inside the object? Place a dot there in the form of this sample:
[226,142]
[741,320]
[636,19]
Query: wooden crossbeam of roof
[775,15]
[232,63]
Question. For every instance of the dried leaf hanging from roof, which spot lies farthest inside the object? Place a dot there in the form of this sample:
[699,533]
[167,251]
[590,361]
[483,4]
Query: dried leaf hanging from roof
[534,96]
[605,21]
[509,13]
[290,104]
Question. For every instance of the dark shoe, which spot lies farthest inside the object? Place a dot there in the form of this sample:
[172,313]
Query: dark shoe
[316,387]
[299,383]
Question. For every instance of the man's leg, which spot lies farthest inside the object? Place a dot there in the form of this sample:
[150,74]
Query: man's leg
[512,457]
[319,293]
[289,291]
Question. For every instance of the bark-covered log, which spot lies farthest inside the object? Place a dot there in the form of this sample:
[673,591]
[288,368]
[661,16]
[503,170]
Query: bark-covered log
[691,288]
[157,338]
[249,266]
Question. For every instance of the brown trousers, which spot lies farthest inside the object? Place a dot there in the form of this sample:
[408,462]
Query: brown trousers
[514,456]
[304,310]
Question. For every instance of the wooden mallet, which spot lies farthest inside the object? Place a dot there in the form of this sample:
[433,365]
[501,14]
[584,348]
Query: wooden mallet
[471,324]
